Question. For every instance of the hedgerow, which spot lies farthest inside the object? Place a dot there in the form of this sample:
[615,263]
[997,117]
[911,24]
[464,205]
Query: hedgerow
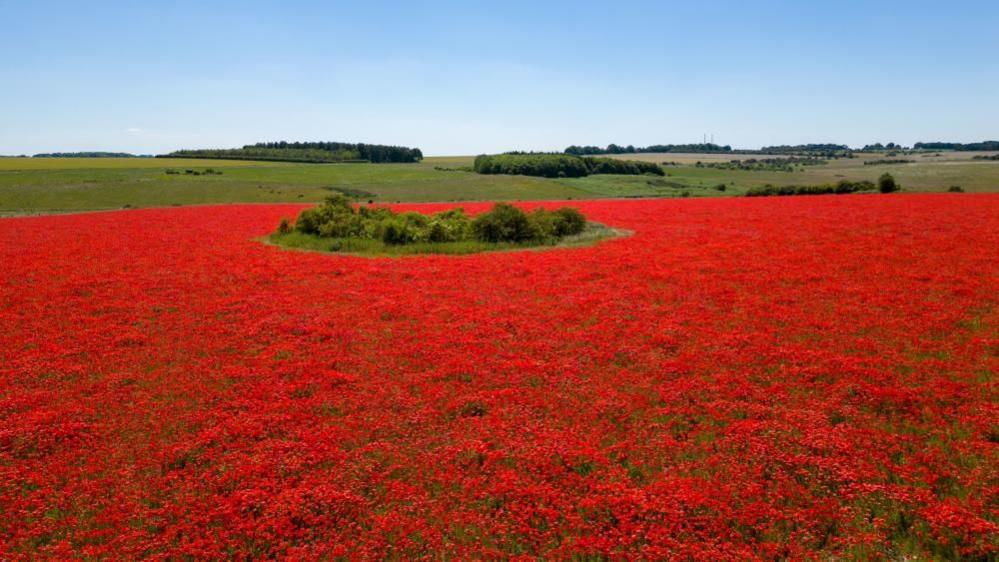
[842,187]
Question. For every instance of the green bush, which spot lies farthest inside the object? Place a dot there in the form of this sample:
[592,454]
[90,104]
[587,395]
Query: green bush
[887,184]
[449,226]
[285,226]
[342,225]
[568,221]
[955,189]
[543,225]
[398,231]
[336,210]
[504,223]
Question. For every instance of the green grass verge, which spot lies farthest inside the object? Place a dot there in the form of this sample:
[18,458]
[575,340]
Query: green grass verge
[594,232]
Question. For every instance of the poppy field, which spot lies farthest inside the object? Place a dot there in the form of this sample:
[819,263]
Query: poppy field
[738,379]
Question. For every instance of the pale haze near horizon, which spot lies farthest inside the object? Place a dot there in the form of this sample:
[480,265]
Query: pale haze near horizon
[457,78]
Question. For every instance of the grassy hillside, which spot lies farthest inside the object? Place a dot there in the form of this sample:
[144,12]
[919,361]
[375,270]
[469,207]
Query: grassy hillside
[54,185]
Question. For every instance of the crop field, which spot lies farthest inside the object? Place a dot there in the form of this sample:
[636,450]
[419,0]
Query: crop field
[928,172]
[747,379]
[46,185]
[109,183]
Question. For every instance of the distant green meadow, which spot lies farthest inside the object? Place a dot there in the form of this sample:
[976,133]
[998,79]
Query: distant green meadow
[47,185]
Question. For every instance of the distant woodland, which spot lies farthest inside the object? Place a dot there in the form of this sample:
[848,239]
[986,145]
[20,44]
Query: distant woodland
[87,155]
[560,165]
[970,147]
[314,152]
[655,148]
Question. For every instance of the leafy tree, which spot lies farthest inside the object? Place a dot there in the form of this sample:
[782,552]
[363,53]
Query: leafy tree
[504,223]
[887,184]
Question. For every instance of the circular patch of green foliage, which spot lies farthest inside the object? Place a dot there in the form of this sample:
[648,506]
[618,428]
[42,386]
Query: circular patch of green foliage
[337,219]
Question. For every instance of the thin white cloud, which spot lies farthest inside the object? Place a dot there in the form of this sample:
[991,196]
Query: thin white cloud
[133,130]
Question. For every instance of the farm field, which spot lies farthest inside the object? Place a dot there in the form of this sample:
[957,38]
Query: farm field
[746,379]
[46,185]
[62,186]
[928,173]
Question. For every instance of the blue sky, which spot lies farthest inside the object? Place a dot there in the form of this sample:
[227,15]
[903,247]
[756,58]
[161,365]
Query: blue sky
[471,77]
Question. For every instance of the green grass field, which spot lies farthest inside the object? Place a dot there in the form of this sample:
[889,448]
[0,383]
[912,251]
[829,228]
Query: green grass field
[60,185]
[45,185]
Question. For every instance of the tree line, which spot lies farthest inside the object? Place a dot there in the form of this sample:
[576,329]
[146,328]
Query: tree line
[824,150]
[369,152]
[969,147]
[764,164]
[655,148]
[311,152]
[560,165]
[87,155]
[886,184]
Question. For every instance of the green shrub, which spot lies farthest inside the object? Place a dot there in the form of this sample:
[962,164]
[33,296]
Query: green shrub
[449,226]
[336,210]
[542,225]
[342,225]
[887,184]
[568,221]
[415,220]
[285,226]
[308,221]
[397,231]
[504,223]
[955,189]
[336,218]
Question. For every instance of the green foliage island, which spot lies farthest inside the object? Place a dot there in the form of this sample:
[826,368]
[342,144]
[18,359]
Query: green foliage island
[338,226]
